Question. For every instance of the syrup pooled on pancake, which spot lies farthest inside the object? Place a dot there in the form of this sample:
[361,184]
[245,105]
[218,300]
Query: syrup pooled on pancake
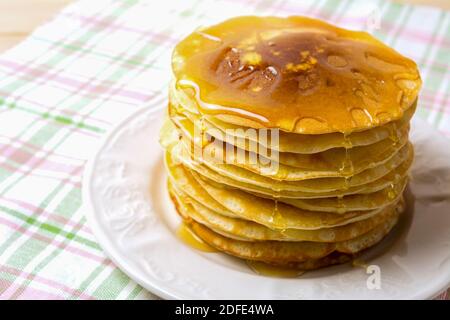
[297,74]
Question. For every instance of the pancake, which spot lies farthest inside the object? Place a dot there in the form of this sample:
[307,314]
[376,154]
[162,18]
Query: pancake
[358,202]
[336,162]
[290,253]
[287,139]
[313,188]
[233,167]
[270,213]
[347,165]
[245,230]
[354,202]
[289,142]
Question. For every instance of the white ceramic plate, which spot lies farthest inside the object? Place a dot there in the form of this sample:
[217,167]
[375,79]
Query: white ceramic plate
[130,213]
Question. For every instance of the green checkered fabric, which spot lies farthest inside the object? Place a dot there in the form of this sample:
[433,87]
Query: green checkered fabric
[95,63]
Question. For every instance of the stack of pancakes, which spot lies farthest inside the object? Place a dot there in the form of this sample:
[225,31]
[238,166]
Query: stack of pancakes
[287,139]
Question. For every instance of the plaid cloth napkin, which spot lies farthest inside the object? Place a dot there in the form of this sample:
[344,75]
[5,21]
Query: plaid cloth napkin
[95,63]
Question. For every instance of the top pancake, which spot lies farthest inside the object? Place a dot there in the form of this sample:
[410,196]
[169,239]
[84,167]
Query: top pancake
[298,74]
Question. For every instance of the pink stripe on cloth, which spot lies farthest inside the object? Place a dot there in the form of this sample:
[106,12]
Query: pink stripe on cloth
[159,37]
[34,172]
[74,83]
[39,147]
[56,243]
[31,208]
[29,293]
[21,156]
[436,101]
[11,289]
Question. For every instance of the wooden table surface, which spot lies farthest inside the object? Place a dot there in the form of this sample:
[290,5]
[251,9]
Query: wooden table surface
[18,18]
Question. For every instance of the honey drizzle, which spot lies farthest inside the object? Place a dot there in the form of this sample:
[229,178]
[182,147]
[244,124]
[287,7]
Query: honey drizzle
[340,204]
[185,234]
[277,218]
[359,263]
[265,269]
